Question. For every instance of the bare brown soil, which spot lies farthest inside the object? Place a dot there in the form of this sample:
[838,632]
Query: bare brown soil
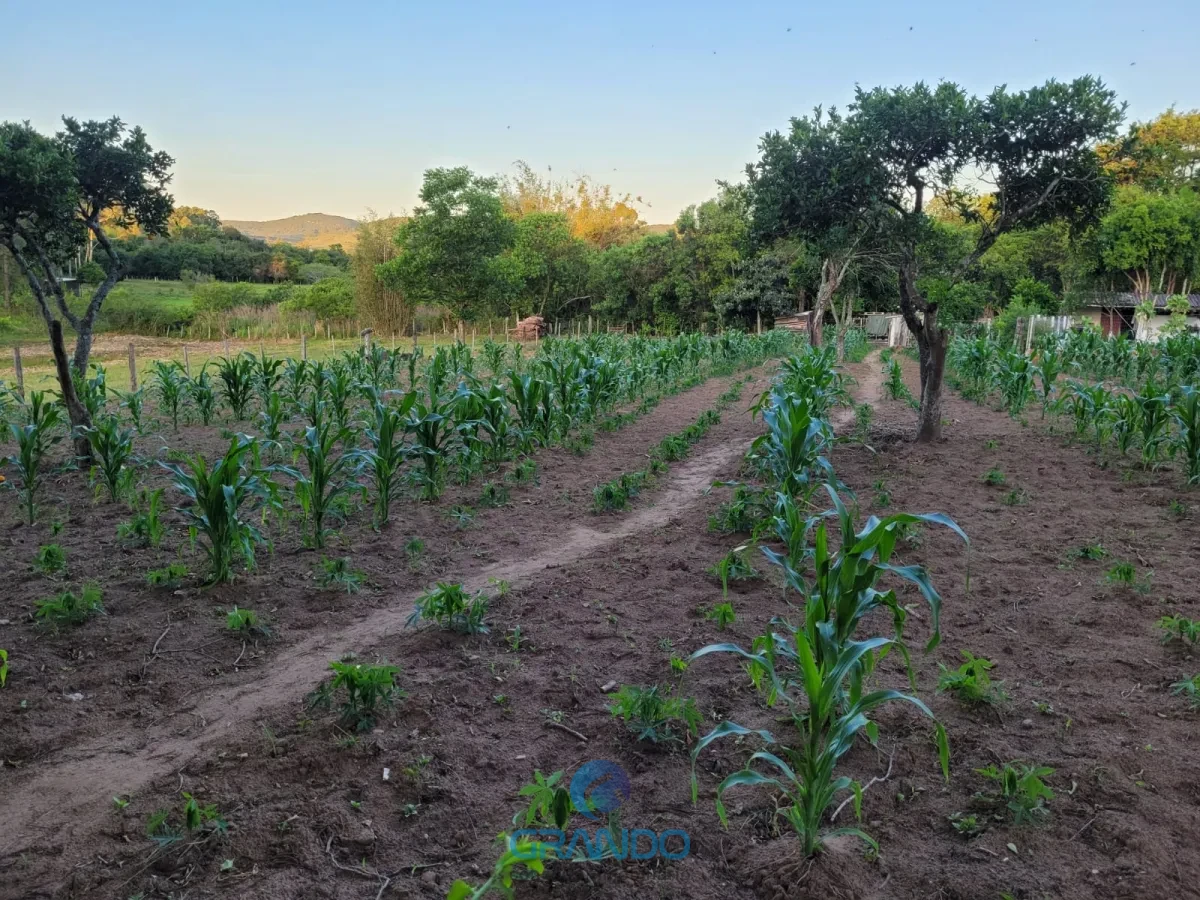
[599,599]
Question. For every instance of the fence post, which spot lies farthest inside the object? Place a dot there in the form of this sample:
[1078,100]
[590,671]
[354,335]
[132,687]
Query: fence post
[758,323]
[366,336]
[187,363]
[20,372]
[589,323]
[227,348]
[472,339]
[303,346]
[132,367]
[506,329]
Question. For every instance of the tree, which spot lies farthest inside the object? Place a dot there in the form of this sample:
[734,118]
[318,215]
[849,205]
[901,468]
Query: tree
[812,184]
[53,193]
[1162,155]
[1151,239]
[1034,149]
[385,307]
[446,248]
[762,288]
[594,213]
[545,267]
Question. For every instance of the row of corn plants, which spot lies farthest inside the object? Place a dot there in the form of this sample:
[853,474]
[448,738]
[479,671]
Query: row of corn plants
[815,664]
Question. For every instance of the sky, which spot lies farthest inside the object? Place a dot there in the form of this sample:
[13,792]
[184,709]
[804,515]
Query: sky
[276,109]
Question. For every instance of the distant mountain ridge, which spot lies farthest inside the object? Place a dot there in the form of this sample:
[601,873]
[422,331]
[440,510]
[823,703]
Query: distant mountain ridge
[313,230]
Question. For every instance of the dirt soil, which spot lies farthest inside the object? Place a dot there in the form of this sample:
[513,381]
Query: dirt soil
[171,702]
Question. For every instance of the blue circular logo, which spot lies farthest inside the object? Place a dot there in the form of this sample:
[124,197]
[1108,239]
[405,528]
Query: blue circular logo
[599,786]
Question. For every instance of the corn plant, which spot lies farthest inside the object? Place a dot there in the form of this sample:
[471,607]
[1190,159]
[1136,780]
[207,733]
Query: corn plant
[655,716]
[385,453]
[135,403]
[432,431]
[296,377]
[237,383]
[1179,628]
[216,496]
[1047,369]
[1016,381]
[367,688]
[170,385]
[338,386]
[112,451]
[1021,790]
[202,392]
[823,658]
[145,528]
[970,682]
[68,608]
[792,451]
[1154,423]
[3,667]
[893,386]
[33,441]
[246,623]
[452,608]
[733,566]
[268,375]
[338,573]
[168,576]
[722,614]
[50,559]
[329,475]
[1126,416]
[1186,413]
[494,494]
[92,392]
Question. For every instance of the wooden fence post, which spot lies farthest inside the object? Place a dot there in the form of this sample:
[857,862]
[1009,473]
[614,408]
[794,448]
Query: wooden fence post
[366,336]
[303,346]
[187,363]
[758,317]
[20,372]
[132,367]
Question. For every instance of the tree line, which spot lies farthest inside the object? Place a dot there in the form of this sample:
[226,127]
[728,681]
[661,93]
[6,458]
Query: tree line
[922,199]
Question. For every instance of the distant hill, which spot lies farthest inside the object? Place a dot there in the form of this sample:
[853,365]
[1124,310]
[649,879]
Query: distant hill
[658,229]
[312,230]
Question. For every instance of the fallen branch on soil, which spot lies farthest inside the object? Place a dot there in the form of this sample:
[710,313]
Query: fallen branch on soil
[561,727]
[867,787]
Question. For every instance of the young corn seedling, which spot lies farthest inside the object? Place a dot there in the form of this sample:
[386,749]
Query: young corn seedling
[268,377]
[722,614]
[216,497]
[1179,628]
[1155,421]
[271,421]
[337,573]
[367,689]
[493,494]
[50,560]
[994,478]
[112,451]
[1021,790]
[1123,573]
[3,667]
[656,716]
[169,384]
[461,515]
[237,383]
[1186,413]
[68,608]
[145,528]
[524,473]
[817,671]
[246,623]
[733,566]
[329,476]
[34,441]
[609,496]
[1188,688]
[170,576]
[742,513]
[452,608]
[432,431]
[970,682]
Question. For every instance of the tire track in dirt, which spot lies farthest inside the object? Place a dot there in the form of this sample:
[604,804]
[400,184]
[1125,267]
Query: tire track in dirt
[71,791]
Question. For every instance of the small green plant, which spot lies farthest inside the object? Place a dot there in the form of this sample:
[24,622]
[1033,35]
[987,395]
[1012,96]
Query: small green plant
[1123,573]
[170,383]
[733,566]
[656,716]
[1015,497]
[493,494]
[965,825]
[970,682]
[611,495]
[68,608]
[112,450]
[328,476]
[883,497]
[145,528]
[524,472]
[548,803]
[678,664]
[337,573]
[50,559]
[414,550]
[1021,789]
[237,383]
[722,614]
[3,667]
[991,444]
[462,516]
[367,688]
[196,819]
[1177,508]
[452,608]
[863,413]
[1091,551]
[203,395]
[1179,628]
[246,623]
[517,853]
[994,477]
[34,441]
[742,513]
[169,576]
[1188,688]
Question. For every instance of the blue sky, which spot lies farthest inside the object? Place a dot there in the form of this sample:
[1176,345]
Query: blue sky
[273,109]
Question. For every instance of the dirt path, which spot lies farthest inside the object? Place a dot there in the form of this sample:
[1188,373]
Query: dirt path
[75,786]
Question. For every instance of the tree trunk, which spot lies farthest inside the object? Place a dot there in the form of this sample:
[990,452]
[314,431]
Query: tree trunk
[932,341]
[78,415]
